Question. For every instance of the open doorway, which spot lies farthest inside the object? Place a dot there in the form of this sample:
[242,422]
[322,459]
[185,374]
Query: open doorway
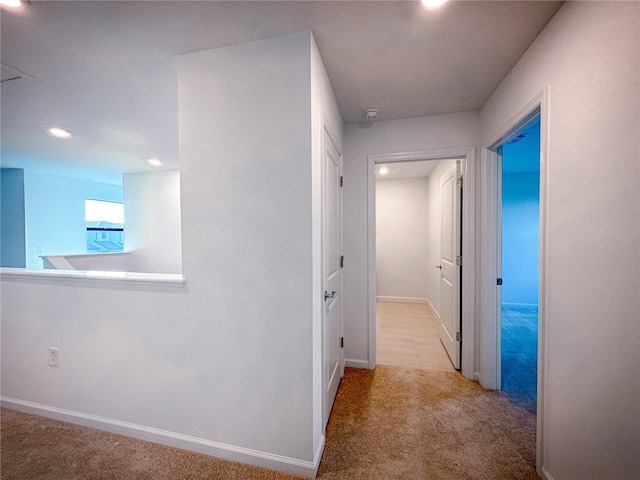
[534,115]
[418,233]
[520,234]
[467,169]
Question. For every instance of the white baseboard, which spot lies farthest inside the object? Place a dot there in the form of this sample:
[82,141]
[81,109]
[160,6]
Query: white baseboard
[349,362]
[234,453]
[545,474]
[317,456]
[402,299]
[433,309]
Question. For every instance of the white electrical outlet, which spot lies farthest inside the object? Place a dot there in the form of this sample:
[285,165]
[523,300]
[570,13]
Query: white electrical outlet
[54,358]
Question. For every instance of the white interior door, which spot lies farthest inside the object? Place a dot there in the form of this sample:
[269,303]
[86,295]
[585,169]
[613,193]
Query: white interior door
[450,324]
[333,362]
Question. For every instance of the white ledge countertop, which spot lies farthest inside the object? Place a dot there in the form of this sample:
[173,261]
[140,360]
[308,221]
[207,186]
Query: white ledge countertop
[175,279]
[86,254]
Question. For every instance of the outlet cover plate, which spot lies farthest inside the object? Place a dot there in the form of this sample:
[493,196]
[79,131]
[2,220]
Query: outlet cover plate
[54,359]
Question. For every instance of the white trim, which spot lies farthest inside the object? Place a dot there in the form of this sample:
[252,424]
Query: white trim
[318,430]
[350,362]
[371,260]
[468,245]
[515,123]
[542,282]
[88,255]
[435,312]
[468,297]
[489,358]
[317,456]
[489,270]
[402,299]
[234,453]
[545,475]
[92,276]
[326,125]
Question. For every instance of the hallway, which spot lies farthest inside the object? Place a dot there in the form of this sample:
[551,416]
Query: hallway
[408,335]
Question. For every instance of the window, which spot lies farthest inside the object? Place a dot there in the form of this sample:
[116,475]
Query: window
[105,226]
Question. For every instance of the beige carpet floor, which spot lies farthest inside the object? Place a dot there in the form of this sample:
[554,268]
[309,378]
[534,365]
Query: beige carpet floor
[391,423]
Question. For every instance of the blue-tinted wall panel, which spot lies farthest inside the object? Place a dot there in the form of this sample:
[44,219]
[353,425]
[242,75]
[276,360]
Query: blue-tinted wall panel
[520,234]
[55,213]
[521,216]
[12,223]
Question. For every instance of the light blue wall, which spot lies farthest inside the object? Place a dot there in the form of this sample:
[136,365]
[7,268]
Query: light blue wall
[520,218]
[12,225]
[520,228]
[54,213]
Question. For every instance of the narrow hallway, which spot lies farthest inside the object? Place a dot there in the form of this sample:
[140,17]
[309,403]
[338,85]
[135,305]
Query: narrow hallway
[408,335]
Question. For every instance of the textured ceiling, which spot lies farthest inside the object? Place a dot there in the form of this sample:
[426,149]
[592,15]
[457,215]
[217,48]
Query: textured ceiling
[106,70]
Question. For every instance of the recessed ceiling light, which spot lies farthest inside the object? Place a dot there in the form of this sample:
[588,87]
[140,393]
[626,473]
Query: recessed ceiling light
[59,132]
[11,3]
[154,162]
[383,171]
[432,3]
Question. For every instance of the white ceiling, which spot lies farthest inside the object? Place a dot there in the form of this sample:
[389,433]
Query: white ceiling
[106,70]
[419,169]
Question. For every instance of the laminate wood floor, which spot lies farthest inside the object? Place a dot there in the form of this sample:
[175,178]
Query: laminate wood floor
[408,335]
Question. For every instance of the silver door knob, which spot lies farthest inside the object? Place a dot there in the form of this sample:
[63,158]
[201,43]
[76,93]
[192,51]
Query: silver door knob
[329,295]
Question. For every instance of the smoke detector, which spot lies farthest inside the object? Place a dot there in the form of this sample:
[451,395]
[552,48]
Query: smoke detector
[371,113]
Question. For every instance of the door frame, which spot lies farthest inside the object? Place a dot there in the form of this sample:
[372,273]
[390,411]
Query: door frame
[333,138]
[467,155]
[490,261]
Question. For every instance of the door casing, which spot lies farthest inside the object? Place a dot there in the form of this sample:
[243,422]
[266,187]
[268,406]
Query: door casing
[467,169]
[490,259]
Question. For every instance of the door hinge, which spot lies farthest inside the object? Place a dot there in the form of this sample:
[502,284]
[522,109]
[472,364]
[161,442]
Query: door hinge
[499,281]
[459,182]
[342,261]
[458,336]
[341,342]
[459,260]
[341,180]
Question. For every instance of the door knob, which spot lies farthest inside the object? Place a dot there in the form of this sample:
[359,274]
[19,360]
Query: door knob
[329,295]
[439,266]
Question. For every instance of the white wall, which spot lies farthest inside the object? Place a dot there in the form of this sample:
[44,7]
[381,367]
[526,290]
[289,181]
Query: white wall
[224,364]
[416,134]
[434,215]
[588,56]
[152,221]
[54,211]
[401,238]
[245,146]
